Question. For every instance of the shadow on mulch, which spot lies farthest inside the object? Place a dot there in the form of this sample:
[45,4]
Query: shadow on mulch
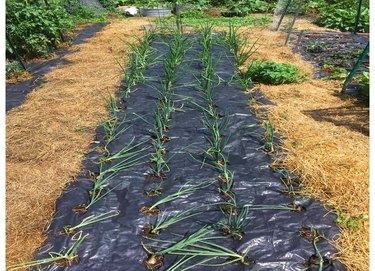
[352,117]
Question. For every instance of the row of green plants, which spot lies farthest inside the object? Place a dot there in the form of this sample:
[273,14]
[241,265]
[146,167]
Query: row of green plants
[34,28]
[163,115]
[110,164]
[197,244]
[201,243]
[235,41]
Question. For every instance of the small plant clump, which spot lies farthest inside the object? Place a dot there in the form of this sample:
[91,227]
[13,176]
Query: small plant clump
[270,72]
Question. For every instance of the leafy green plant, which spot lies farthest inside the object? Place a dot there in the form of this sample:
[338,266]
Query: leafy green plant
[351,222]
[316,47]
[270,72]
[36,29]
[335,73]
[12,68]
[364,78]
[341,15]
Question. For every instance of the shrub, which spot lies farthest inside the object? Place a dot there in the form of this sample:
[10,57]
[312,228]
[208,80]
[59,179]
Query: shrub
[12,67]
[269,72]
[341,14]
[36,28]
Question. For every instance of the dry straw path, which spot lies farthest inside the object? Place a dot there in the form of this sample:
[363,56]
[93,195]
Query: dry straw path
[48,135]
[326,136]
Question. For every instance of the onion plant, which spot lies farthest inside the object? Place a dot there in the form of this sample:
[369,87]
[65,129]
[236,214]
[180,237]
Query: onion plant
[104,177]
[163,221]
[138,61]
[126,152]
[226,177]
[235,225]
[206,42]
[186,189]
[216,141]
[71,230]
[197,244]
[112,129]
[237,44]
[63,258]
[268,136]
[160,163]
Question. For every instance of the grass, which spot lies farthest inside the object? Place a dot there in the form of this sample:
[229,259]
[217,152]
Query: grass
[67,258]
[219,21]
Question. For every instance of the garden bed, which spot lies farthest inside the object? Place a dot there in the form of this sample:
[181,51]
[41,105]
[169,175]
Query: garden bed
[280,226]
[16,93]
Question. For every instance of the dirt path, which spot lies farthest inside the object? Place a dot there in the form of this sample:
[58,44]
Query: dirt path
[326,136]
[48,135]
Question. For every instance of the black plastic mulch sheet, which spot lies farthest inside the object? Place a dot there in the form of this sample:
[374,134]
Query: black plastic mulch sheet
[16,93]
[115,244]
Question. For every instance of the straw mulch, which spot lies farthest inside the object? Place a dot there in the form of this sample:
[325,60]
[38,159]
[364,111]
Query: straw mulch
[325,134]
[48,135]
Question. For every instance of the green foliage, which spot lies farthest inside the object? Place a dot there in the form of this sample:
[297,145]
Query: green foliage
[245,7]
[12,67]
[193,14]
[341,15]
[269,72]
[35,28]
[219,21]
[350,222]
[336,73]
[109,4]
[364,78]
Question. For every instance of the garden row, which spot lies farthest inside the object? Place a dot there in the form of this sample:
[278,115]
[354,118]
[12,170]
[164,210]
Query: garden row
[180,179]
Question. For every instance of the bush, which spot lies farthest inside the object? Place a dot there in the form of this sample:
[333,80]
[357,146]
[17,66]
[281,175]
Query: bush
[269,72]
[341,14]
[35,28]
[11,68]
